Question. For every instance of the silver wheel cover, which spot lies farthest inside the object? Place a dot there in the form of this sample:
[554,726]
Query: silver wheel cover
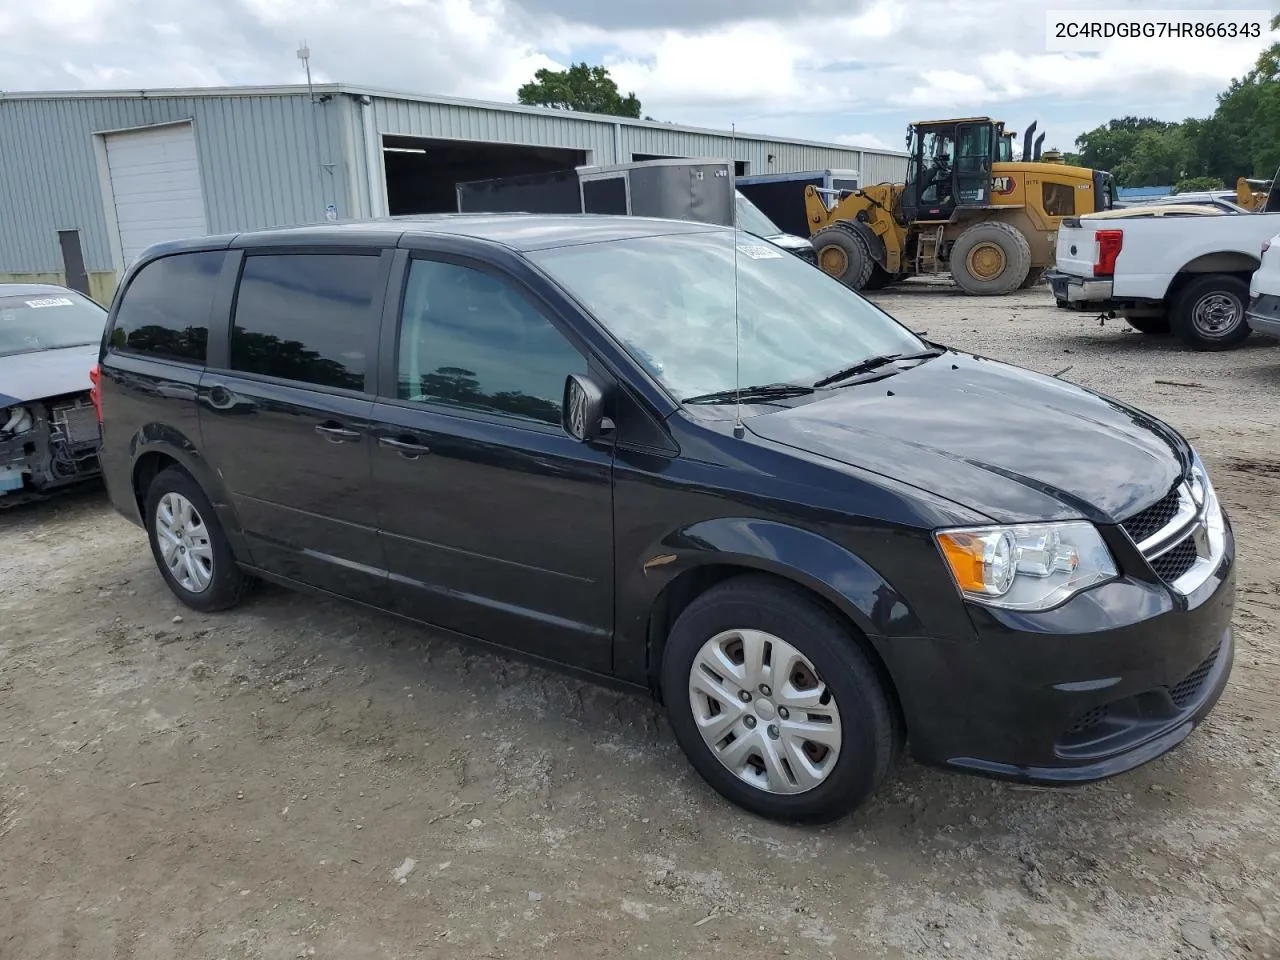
[184,544]
[1216,315]
[764,712]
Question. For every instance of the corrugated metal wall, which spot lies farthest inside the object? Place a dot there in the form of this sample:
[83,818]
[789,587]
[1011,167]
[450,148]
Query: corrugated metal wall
[260,165]
[274,158]
[611,142]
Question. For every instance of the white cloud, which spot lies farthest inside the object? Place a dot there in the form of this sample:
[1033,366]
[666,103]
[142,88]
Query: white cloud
[868,141]
[791,68]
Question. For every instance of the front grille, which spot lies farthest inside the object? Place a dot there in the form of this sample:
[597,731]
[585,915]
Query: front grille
[1089,720]
[1154,518]
[1170,566]
[1185,693]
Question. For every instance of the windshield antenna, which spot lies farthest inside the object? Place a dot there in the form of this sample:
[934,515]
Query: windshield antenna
[738,430]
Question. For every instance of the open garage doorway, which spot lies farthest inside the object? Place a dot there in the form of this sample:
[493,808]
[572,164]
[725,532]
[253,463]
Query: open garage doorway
[423,175]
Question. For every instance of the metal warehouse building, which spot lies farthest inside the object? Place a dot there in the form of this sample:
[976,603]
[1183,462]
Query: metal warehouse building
[90,178]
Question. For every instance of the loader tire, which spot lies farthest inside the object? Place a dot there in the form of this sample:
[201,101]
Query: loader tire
[990,259]
[1034,276]
[879,279]
[843,255]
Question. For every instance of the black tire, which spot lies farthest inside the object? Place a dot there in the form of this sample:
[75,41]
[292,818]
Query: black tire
[844,255]
[1013,247]
[1149,324]
[879,279]
[229,585]
[1192,311]
[870,728]
[1034,276]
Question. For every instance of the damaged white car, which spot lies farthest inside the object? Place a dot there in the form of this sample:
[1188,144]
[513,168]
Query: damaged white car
[49,435]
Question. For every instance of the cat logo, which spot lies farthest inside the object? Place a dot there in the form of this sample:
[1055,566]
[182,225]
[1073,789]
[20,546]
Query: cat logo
[1003,185]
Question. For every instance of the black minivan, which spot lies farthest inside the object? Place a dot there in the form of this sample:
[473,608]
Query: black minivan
[671,455]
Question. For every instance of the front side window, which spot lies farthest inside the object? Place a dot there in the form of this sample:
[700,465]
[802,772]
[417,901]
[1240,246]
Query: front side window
[671,302]
[469,339]
[165,310]
[305,317]
[48,321]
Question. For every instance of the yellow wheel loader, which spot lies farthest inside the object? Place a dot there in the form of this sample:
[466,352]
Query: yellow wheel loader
[967,207]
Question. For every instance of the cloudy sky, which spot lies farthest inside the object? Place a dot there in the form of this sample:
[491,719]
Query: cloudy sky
[855,71]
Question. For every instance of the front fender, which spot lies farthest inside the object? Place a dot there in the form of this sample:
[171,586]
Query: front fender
[806,558]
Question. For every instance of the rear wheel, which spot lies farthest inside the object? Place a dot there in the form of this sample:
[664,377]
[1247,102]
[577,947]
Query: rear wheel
[990,259]
[843,255]
[1148,323]
[775,704]
[189,545]
[1208,312]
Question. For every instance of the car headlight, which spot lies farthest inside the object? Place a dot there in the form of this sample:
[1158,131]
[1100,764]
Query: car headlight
[1032,566]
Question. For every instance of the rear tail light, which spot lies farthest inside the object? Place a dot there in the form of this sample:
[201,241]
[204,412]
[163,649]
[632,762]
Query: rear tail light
[1109,244]
[95,391]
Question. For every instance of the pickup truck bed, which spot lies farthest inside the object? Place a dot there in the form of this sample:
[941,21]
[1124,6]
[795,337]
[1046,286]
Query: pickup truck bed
[1188,273]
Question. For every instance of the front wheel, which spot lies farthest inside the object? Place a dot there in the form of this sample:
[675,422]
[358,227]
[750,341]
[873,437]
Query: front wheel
[776,705]
[1208,312]
[843,255]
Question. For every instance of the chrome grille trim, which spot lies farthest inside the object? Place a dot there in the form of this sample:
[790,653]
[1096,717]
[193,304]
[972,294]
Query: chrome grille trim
[1203,524]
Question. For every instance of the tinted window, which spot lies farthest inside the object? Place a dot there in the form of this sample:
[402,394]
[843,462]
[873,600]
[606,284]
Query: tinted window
[165,310]
[1059,199]
[305,317]
[469,339]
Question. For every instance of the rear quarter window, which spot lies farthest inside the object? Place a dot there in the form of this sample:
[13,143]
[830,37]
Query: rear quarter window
[165,310]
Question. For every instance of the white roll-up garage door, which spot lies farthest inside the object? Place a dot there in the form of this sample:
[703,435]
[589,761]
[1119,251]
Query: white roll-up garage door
[155,186]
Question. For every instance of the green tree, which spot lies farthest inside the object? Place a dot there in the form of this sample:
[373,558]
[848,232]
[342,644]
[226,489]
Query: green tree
[582,88]
[1196,184]
[1109,147]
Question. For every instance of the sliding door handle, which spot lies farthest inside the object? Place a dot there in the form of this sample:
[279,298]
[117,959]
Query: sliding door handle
[406,449]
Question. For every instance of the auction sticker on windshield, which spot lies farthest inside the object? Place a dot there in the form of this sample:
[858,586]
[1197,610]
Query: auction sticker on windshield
[759,252]
[49,302]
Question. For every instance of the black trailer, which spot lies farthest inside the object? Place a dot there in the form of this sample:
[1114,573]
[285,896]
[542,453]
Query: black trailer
[699,190]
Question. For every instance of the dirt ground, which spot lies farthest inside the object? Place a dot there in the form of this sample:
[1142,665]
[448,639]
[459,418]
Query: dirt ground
[301,778]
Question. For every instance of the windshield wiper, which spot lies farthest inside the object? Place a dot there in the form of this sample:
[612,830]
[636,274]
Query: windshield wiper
[873,363]
[756,394]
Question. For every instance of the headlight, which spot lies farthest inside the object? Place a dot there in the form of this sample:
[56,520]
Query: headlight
[1031,566]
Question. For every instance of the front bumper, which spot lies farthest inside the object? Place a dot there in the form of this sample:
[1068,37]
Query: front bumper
[1114,678]
[1263,314]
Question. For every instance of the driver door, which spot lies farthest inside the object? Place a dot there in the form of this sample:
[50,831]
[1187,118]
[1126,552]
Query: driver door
[495,521]
[973,164]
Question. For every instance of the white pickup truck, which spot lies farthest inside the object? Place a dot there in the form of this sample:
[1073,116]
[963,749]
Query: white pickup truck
[1182,269]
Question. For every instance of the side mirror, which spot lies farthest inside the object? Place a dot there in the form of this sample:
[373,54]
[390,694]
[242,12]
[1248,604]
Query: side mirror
[583,412]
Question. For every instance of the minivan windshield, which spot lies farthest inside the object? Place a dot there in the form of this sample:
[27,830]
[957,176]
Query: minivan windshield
[670,301]
[48,321]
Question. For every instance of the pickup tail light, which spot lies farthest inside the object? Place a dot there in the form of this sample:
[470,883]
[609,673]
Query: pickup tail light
[1110,243]
[95,391]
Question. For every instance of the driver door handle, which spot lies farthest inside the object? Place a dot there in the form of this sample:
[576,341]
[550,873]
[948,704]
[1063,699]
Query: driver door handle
[410,451]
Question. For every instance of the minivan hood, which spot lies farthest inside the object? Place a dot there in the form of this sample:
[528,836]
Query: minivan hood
[1012,444]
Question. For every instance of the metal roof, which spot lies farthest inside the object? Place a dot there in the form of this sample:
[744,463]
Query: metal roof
[357,91]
